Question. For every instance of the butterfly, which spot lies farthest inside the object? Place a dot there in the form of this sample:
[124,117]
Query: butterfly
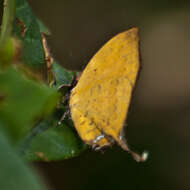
[100,100]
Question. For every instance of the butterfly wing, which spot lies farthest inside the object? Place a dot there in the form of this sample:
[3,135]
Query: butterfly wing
[99,103]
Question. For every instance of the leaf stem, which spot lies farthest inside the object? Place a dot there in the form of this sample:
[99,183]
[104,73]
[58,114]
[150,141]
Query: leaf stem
[8,16]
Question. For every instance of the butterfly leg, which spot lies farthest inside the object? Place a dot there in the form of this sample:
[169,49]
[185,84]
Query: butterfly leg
[64,116]
[66,89]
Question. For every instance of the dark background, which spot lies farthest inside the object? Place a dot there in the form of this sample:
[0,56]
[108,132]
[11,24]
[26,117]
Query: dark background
[158,120]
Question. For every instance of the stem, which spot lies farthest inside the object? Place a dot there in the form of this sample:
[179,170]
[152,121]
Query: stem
[8,16]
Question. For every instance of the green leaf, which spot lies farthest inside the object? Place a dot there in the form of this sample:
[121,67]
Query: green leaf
[62,75]
[46,141]
[22,101]
[43,27]
[50,141]
[26,28]
[15,174]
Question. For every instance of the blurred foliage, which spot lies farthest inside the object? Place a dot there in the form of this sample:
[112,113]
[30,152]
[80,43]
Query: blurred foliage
[7,53]
[22,101]
[29,108]
[15,174]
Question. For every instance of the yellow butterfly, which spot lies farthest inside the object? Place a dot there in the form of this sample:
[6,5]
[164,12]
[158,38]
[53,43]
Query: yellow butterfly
[100,101]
